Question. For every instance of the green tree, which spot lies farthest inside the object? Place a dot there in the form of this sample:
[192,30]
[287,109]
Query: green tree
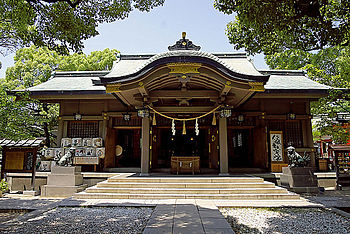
[312,35]
[329,66]
[61,25]
[273,26]
[24,117]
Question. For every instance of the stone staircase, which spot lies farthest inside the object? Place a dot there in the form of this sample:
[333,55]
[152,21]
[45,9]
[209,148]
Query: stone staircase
[228,188]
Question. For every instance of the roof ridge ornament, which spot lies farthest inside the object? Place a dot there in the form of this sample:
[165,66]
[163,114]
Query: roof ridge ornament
[184,44]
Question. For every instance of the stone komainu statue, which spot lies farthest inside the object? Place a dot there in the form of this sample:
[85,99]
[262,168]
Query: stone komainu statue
[295,159]
[67,159]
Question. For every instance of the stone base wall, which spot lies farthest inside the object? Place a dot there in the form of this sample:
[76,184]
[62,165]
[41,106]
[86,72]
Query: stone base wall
[22,181]
[18,181]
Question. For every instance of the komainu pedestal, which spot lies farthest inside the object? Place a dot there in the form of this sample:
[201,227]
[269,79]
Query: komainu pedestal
[63,182]
[299,179]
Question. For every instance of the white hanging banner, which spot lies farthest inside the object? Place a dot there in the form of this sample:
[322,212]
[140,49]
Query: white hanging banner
[173,130]
[276,146]
[196,128]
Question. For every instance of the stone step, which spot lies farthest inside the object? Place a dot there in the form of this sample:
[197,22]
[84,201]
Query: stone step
[187,180]
[276,190]
[287,196]
[106,184]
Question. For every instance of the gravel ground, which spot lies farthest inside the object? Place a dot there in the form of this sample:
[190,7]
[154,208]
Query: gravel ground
[285,220]
[8,215]
[86,220]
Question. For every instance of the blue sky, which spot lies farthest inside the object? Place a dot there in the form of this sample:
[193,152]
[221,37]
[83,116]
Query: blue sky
[154,31]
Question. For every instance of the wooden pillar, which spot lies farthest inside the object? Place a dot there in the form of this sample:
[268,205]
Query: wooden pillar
[65,128]
[109,160]
[259,143]
[309,137]
[3,161]
[60,131]
[223,146]
[104,127]
[145,146]
[310,143]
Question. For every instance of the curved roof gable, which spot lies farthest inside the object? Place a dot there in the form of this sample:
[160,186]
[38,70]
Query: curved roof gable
[235,65]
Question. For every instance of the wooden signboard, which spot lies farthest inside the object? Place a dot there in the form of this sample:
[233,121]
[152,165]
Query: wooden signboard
[20,156]
[14,160]
[342,164]
[86,160]
[277,151]
[19,160]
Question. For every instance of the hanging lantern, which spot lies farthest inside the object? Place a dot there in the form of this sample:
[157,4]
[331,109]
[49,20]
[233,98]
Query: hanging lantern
[214,120]
[154,122]
[126,116]
[196,127]
[240,118]
[143,112]
[173,130]
[225,112]
[291,116]
[184,128]
[77,116]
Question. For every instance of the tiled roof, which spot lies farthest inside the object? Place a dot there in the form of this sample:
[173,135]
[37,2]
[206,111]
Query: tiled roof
[85,82]
[291,80]
[22,143]
[236,62]
[70,81]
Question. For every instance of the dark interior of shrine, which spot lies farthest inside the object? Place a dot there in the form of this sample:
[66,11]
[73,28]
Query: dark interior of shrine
[180,144]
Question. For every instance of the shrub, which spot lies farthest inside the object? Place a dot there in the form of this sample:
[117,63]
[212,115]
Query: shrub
[4,186]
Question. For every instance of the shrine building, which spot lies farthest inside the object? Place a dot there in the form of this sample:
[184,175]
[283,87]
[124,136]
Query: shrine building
[215,112]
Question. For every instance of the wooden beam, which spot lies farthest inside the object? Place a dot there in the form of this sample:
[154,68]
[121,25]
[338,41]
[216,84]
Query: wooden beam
[289,95]
[122,99]
[120,113]
[58,98]
[143,91]
[168,94]
[84,117]
[284,117]
[225,90]
[127,127]
[187,109]
[244,99]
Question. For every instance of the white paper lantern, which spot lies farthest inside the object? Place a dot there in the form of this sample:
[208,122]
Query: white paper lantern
[87,142]
[80,152]
[97,142]
[58,153]
[100,152]
[90,152]
[66,142]
[50,153]
[77,142]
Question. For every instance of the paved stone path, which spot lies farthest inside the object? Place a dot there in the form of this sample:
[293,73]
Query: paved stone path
[184,217]
[173,215]
[169,216]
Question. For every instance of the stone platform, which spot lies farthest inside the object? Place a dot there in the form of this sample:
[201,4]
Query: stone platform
[63,182]
[299,179]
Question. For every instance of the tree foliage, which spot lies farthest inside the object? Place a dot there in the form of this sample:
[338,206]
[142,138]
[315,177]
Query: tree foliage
[61,25]
[311,35]
[330,66]
[273,26]
[27,118]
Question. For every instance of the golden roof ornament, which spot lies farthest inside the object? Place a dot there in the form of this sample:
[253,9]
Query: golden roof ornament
[184,44]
